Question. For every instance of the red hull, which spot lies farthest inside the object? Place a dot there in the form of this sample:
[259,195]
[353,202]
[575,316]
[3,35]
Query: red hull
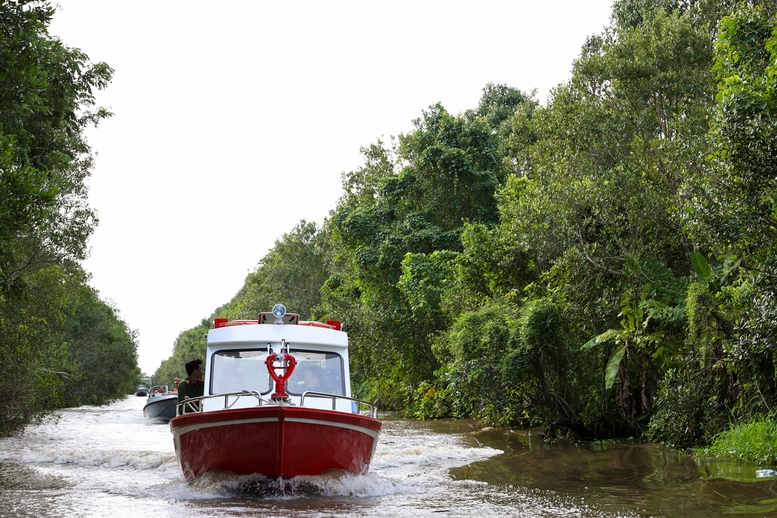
[274,441]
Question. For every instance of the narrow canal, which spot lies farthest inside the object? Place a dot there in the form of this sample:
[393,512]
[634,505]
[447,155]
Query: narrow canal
[111,461]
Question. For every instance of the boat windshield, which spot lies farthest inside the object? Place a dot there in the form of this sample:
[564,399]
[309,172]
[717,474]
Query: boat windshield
[318,371]
[236,370]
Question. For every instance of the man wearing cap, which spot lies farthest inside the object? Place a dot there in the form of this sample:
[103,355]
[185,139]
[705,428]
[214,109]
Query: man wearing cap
[192,387]
[176,382]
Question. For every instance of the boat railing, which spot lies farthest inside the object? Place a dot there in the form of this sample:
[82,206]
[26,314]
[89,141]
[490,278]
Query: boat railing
[194,405]
[371,410]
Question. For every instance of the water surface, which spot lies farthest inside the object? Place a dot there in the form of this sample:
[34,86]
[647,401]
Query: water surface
[111,461]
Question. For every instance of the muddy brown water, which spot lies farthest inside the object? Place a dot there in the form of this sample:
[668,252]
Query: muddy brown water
[638,479]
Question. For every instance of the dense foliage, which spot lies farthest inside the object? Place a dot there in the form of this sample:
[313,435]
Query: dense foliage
[60,345]
[600,266]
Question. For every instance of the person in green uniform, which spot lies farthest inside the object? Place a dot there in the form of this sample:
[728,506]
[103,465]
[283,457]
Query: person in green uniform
[191,387]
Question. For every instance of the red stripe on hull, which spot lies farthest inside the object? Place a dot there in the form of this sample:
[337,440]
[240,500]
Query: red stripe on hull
[274,441]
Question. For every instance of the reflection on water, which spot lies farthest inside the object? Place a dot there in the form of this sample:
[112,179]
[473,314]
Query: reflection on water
[101,461]
[645,479]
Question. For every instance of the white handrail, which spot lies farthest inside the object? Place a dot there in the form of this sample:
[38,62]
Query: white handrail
[372,409]
[194,405]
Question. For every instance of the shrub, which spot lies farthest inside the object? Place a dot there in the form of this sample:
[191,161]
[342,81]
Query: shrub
[755,441]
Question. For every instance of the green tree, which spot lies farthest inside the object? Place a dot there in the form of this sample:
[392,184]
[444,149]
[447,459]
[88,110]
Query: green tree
[414,199]
[46,102]
[347,295]
[36,365]
[598,212]
[46,93]
[632,13]
[729,374]
[102,350]
[61,346]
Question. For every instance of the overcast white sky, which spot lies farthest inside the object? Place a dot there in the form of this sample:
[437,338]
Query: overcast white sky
[234,120]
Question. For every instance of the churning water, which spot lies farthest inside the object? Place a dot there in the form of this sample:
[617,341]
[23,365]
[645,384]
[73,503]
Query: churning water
[111,461]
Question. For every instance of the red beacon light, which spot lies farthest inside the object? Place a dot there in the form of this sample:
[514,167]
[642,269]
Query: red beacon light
[336,324]
[220,322]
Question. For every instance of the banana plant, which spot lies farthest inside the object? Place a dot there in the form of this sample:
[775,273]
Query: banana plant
[621,338]
[632,334]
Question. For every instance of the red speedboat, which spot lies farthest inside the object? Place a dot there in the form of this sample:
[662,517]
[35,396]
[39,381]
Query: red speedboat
[277,402]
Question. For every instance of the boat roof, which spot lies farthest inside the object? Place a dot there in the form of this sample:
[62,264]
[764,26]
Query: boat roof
[296,335]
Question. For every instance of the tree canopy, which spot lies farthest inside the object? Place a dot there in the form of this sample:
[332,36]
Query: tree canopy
[60,344]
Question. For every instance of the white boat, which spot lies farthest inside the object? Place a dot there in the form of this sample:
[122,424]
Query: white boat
[277,402]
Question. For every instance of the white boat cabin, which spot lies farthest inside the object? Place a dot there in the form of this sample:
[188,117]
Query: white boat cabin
[236,362]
